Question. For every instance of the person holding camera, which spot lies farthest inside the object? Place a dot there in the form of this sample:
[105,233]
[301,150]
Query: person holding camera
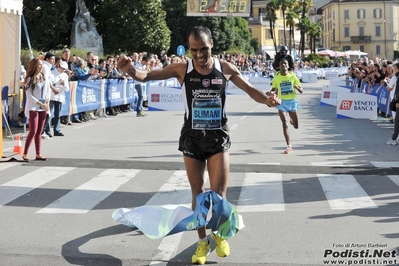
[282,54]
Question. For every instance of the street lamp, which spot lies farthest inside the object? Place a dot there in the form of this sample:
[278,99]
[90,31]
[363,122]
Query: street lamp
[385,37]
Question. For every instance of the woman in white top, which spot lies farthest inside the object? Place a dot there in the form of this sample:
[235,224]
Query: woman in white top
[38,92]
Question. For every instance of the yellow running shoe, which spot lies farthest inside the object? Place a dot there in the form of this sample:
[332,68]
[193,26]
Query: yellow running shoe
[222,247]
[203,249]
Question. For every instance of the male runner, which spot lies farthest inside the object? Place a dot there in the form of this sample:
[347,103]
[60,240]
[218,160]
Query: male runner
[205,137]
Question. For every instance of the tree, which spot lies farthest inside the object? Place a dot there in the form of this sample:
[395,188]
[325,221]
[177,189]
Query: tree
[304,4]
[227,32]
[283,5]
[129,26]
[314,31]
[271,9]
[291,18]
[49,23]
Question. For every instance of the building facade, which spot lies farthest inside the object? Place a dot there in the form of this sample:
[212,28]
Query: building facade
[369,26]
[260,28]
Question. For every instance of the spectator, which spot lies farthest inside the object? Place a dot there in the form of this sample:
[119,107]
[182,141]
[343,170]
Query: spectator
[81,75]
[61,84]
[37,89]
[48,65]
[139,86]
[22,72]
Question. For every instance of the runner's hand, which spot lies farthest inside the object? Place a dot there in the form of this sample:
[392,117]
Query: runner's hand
[273,100]
[124,63]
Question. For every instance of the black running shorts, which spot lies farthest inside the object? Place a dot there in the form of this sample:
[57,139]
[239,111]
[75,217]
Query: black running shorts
[202,144]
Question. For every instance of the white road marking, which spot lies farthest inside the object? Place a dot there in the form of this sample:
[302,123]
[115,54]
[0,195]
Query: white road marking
[15,188]
[261,192]
[343,192]
[90,194]
[385,164]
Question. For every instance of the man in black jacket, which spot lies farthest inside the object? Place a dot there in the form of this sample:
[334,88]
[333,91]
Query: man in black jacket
[282,54]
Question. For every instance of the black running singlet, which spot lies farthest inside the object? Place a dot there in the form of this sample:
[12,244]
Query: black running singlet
[204,98]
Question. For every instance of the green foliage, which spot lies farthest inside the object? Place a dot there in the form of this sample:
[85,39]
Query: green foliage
[49,23]
[128,26]
[322,60]
[226,32]
[133,26]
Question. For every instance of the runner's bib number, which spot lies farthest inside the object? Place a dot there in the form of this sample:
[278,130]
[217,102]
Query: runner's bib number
[207,114]
[286,88]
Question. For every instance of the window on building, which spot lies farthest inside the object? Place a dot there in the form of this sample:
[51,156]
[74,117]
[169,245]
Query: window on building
[333,35]
[361,13]
[346,14]
[377,30]
[378,49]
[333,14]
[361,48]
[346,31]
[346,48]
[377,13]
[361,31]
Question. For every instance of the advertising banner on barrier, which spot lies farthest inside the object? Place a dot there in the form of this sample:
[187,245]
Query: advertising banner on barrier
[309,77]
[339,82]
[383,99]
[356,105]
[66,107]
[165,99]
[87,96]
[331,75]
[119,91]
[329,94]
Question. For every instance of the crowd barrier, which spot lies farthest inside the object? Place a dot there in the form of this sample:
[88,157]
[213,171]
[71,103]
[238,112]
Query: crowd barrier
[311,75]
[380,91]
[96,94]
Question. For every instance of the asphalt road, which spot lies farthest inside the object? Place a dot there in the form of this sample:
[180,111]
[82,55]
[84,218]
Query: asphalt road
[337,193]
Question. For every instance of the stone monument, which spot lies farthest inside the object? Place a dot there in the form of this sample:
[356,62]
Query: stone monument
[84,34]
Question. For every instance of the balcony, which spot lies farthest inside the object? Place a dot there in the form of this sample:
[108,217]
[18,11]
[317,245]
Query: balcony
[360,39]
[261,20]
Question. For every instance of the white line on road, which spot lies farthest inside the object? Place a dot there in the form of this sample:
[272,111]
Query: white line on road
[4,166]
[394,178]
[233,126]
[261,192]
[385,164]
[275,163]
[90,194]
[343,192]
[337,164]
[11,190]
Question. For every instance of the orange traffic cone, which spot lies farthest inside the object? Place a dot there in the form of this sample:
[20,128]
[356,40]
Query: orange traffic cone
[18,145]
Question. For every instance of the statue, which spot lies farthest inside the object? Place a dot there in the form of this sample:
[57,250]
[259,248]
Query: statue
[84,34]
